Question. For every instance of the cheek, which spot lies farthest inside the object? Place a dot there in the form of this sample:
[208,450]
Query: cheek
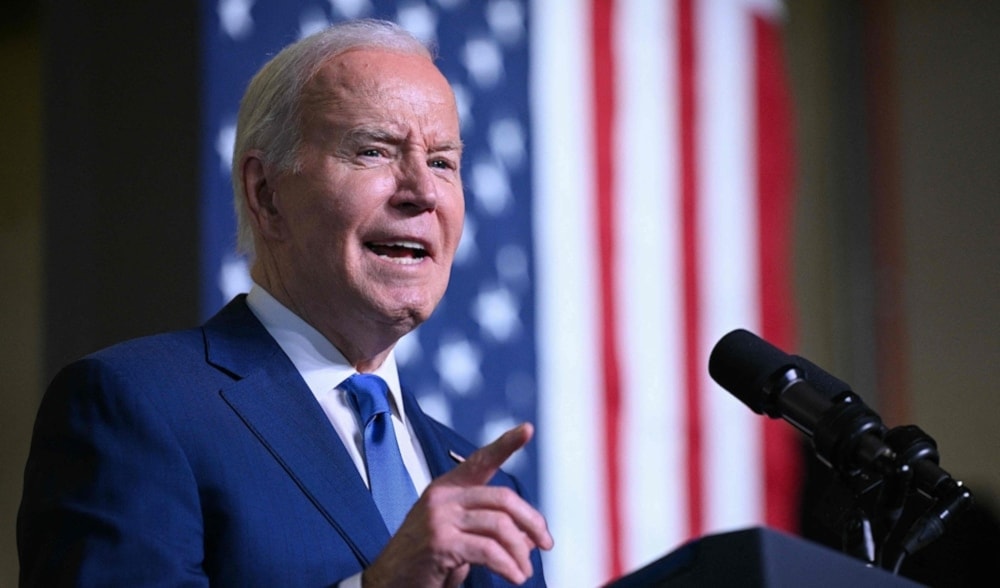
[322,235]
[454,208]
[457,221]
[338,208]
[356,197]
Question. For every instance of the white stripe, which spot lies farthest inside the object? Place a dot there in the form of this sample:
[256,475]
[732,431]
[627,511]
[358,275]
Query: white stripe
[728,242]
[649,232]
[570,450]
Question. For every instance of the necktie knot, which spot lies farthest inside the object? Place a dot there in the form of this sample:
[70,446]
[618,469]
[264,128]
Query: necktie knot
[368,395]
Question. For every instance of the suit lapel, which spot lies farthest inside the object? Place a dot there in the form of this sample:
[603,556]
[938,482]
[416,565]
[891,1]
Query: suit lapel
[441,455]
[277,406]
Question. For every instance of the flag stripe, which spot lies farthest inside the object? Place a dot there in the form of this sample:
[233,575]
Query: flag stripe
[686,86]
[727,266]
[648,263]
[603,62]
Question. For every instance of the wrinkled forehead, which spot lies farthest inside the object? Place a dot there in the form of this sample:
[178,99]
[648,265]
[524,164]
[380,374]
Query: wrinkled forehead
[372,78]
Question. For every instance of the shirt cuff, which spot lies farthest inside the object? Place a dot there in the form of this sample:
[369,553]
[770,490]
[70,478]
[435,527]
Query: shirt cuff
[352,582]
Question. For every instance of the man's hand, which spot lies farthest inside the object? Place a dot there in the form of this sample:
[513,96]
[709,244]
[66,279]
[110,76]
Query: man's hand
[459,521]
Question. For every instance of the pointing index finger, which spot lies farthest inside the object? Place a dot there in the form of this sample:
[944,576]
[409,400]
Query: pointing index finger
[484,463]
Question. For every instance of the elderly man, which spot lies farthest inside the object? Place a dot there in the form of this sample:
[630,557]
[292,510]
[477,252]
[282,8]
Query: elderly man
[274,446]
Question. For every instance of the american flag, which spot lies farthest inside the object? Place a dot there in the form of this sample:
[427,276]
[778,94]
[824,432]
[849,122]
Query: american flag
[628,181]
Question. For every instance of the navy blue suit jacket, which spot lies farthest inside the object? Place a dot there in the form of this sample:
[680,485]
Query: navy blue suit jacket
[201,457]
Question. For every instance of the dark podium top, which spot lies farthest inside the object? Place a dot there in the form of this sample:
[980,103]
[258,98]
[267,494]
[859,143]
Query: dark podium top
[758,557]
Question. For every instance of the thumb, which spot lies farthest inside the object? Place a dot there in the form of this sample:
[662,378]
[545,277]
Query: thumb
[479,467]
[457,576]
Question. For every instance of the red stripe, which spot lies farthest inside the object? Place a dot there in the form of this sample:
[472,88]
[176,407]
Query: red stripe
[782,465]
[604,116]
[687,81]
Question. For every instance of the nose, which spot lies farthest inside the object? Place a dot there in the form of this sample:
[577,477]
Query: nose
[416,186]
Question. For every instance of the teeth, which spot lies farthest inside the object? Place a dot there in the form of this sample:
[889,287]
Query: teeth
[389,250]
[406,244]
[402,260]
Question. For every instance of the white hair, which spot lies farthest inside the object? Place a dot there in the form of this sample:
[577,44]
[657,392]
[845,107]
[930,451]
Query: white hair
[269,117]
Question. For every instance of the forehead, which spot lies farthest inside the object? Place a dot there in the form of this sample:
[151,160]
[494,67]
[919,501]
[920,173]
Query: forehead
[380,82]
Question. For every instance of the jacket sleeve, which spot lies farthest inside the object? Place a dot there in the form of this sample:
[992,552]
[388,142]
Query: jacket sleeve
[109,497]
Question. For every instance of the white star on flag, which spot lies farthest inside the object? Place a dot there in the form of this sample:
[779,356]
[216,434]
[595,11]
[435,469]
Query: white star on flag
[235,18]
[457,363]
[497,313]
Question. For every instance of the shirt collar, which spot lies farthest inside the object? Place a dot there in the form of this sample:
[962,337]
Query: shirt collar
[319,362]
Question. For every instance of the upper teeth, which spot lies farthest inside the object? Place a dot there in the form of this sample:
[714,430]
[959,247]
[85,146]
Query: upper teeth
[407,244]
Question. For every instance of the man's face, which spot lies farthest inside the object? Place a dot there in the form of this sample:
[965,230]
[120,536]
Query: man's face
[373,213]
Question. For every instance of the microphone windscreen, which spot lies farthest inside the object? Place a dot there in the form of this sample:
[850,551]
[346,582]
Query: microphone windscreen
[743,364]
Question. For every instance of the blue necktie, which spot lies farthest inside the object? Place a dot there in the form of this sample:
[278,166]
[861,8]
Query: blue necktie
[390,483]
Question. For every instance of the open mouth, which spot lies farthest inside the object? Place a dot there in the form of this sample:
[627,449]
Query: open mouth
[404,252]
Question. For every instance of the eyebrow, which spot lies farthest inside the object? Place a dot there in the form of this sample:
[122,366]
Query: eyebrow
[367,133]
[456,146]
[380,134]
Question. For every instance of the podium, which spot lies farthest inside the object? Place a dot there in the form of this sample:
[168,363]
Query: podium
[758,557]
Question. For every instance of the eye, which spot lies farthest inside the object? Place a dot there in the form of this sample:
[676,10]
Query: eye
[370,152]
[442,163]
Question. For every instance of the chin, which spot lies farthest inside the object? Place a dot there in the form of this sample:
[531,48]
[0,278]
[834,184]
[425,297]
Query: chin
[412,311]
[403,301]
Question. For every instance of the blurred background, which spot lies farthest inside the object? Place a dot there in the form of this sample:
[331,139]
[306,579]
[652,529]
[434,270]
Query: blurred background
[897,210]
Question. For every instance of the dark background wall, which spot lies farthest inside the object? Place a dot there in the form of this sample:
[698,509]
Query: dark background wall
[120,194]
[897,252]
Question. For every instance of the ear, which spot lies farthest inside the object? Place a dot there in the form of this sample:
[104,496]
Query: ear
[260,195]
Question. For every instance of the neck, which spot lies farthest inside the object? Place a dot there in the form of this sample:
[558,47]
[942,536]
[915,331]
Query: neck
[363,344]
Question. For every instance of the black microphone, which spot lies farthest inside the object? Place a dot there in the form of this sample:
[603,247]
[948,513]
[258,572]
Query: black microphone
[846,434]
